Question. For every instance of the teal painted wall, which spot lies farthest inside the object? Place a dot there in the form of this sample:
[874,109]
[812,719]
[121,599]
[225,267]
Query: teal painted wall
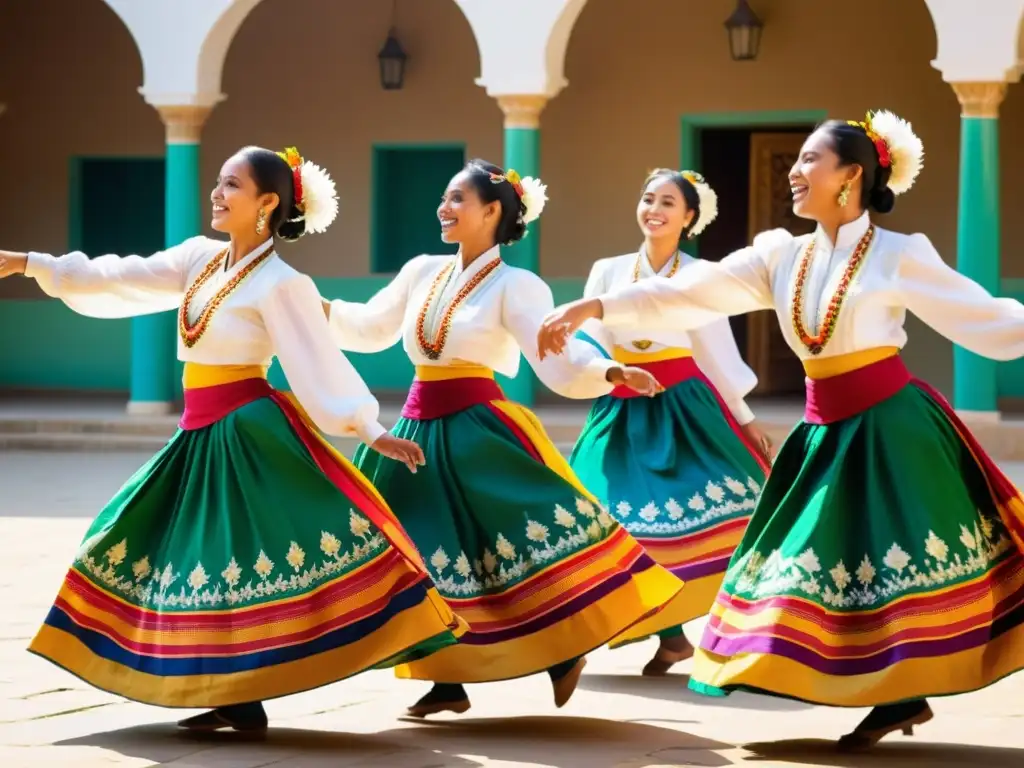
[53,348]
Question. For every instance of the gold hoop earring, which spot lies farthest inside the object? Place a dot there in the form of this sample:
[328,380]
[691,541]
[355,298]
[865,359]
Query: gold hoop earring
[844,195]
[261,221]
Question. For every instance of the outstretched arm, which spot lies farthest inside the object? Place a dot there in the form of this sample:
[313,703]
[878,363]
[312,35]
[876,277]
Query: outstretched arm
[115,286]
[957,307]
[702,293]
[375,325]
[582,374]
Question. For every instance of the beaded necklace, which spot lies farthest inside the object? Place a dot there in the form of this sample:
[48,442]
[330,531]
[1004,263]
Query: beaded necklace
[432,349]
[816,343]
[639,258]
[191,332]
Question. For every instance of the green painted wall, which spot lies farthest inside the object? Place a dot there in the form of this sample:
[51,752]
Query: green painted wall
[54,348]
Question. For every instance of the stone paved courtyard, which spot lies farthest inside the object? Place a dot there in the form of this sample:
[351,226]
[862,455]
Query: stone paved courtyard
[616,719]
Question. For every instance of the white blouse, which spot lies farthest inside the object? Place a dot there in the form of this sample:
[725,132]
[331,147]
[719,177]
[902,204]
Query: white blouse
[497,320]
[899,273]
[713,345]
[274,311]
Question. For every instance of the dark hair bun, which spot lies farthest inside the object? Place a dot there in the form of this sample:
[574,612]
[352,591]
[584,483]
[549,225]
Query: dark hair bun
[293,227]
[511,227]
[513,231]
[881,200]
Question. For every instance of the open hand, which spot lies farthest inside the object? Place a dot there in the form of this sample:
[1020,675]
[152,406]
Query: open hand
[12,263]
[564,321]
[636,379]
[760,442]
[405,451]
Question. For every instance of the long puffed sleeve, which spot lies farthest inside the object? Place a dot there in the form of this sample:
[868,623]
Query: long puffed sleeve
[714,348]
[375,325]
[582,372]
[594,331]
[115,286]
[322,378]
[703,292]
[957,307]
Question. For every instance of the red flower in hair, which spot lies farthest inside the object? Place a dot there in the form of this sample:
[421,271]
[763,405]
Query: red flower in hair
[294,159]
[884,158]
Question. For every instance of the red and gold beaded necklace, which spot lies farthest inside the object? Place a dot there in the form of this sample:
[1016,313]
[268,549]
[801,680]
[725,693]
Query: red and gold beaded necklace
[192,332]
[815,344]
[432,349]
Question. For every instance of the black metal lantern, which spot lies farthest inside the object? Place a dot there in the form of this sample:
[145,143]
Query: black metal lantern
[744,28]
[392,58]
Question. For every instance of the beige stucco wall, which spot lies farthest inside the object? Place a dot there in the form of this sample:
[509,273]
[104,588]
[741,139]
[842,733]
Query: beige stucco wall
[69,73]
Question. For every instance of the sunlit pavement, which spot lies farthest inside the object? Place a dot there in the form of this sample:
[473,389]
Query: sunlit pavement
[616,720]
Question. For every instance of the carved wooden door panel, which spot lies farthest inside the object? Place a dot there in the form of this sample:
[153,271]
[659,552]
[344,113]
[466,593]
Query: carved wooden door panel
[771,206]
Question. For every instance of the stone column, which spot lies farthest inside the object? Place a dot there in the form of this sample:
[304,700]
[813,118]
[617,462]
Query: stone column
[974,377]
[522,152]
[154,367]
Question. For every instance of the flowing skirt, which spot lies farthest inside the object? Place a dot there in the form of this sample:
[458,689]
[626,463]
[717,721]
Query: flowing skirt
[884,561]
[539,570]
[247,560]
[676,472]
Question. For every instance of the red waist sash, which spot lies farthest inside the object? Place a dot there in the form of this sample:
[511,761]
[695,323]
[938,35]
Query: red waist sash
[207,405]
[840,397]
[436,399]
[667,372]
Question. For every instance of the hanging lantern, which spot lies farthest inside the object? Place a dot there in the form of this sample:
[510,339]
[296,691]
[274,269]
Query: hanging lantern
[744,28]
[392,58]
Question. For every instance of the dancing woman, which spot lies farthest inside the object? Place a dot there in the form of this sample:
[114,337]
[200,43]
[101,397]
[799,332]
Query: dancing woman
[520,550]
[681,471]
[248,559]
[885,560]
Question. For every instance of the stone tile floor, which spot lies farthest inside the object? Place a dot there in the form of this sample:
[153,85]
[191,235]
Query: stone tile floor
[616,719]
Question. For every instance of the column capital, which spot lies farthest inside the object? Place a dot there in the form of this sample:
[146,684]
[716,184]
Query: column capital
[522,111]
[184,123]
[980,99]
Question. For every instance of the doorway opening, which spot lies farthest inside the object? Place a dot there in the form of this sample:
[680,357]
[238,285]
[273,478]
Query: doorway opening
[408,181]
[746,158]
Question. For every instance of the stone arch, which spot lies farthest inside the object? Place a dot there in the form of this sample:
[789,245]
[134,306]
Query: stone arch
[522,52]
[183,46]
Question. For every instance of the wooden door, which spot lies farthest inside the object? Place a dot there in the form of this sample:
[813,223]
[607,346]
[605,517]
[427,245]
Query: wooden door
[771,156]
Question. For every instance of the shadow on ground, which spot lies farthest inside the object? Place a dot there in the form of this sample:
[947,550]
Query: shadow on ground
[558,742]
[888,754]
[675,688]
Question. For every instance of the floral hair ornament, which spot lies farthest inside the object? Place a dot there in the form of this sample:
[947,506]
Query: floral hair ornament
[708,202]
[897,145]
[316,196]
[532,193]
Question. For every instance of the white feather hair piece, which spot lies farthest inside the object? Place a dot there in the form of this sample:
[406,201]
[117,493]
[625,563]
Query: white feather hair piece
[708,202]
[535,197]
[319,197]
[906,151]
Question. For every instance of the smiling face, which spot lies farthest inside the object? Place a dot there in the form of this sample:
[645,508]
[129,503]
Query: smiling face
[463,215]
[662,211]
[817,178]
[237,200]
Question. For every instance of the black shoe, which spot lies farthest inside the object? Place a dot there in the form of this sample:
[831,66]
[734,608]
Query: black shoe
[246,718]
[443,697]
[882,721]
